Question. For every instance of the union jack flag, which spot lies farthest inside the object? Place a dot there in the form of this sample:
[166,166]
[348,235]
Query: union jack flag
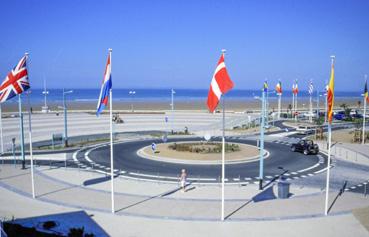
[16,82]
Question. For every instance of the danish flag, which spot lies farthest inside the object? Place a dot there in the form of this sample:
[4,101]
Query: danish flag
[295,88]
[16,82]
[221,83]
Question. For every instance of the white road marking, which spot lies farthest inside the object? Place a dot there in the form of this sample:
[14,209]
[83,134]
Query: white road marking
[309,168]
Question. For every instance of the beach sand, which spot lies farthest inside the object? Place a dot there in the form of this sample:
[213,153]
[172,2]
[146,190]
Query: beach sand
[157,105]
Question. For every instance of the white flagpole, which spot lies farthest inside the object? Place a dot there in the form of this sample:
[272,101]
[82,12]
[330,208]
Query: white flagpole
[223,151]
[329,158]
[223,158]
[111,142]
[328,168]
[1,130]
[279,105]
[293,105]
[363,135]
[30,141]
[296,107]
[311,109]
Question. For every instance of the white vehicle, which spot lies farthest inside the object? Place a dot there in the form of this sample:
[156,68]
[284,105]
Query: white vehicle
[305,130]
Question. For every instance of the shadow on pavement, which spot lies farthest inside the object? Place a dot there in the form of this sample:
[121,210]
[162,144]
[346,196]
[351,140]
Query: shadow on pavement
[156,196]
[98,180]
[267,194]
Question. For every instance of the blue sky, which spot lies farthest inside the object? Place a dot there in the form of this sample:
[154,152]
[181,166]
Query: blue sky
[163,44]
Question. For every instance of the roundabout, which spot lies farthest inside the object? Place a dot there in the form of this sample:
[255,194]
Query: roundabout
[201,153]
[130,163]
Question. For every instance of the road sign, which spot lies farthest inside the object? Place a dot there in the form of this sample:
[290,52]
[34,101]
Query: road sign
[165,138]
[153,146]
[207,137]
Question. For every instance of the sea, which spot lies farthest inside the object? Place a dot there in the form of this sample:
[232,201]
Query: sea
[138,95]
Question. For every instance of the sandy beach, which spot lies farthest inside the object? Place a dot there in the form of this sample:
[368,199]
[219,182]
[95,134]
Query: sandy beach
[236,105]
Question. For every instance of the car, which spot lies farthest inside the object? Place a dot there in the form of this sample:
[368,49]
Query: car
[339,116]
[305,146]
[305,130]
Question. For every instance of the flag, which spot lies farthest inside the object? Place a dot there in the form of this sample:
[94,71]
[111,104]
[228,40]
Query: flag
[221,83]
[330,95]
[311,88]
[105,88]
[278,87]
[16,82]
[295,88]
[265,86]
[366,91]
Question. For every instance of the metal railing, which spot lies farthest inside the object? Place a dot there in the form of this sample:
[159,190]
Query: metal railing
[2,232]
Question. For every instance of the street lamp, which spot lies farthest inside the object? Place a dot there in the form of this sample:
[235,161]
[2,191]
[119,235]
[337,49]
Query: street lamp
[132,93]
[65,117]
[172,107]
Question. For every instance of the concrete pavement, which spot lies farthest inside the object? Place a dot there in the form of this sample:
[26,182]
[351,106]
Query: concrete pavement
[195,212]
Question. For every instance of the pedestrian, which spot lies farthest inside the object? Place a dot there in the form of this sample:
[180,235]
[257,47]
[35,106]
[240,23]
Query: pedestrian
[183,179]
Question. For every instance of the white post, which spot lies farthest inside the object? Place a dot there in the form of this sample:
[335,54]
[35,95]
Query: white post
[329,151]
[363,135]
[172,108]
[111,143]
[223,151]
[293,105]
[296,107]
[328,168]
[279,105]
[1,130]
[223,158]
[311,109]
[30,141]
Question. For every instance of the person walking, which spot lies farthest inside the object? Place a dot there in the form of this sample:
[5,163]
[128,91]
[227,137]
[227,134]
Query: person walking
[183,179]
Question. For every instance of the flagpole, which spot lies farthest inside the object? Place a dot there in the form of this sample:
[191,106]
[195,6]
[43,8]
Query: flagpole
[262,126]
[329,156]
[293,104]
[172,112]
[296,106]
[21,131]
[30,140]
[111,142]
[363,135]
[1,130]
[279,105]
[311,109]
[223,149]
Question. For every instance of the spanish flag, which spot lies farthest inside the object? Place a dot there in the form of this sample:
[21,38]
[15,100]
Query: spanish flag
[366,91]
[330,95]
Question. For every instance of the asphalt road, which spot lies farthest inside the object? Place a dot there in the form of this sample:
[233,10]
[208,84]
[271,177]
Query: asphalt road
[126,159]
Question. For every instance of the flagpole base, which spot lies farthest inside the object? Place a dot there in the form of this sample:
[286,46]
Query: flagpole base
[260,184]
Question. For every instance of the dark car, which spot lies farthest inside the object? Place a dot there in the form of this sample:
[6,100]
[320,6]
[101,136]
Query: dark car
[339,116]
[305,146]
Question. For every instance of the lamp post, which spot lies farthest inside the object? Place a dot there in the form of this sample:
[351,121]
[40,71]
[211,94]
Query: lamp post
[172,108]
[45,108]
[132,93]
[65,117]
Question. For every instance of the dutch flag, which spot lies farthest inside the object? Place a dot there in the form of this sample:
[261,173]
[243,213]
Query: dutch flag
[105,88]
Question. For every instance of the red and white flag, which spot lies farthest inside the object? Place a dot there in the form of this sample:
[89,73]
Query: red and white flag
[221,83]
